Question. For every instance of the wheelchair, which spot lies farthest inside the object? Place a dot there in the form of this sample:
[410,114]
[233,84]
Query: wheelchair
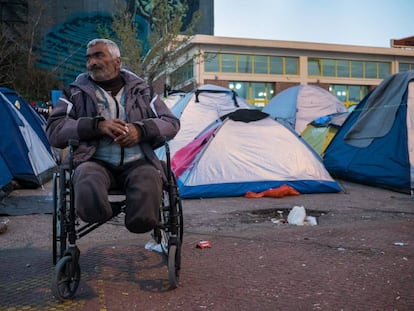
[67,228]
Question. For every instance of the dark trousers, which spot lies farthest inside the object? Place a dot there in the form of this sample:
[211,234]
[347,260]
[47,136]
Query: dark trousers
[140,181]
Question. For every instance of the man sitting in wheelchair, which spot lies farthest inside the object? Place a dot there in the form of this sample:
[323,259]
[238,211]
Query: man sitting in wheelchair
[118,122]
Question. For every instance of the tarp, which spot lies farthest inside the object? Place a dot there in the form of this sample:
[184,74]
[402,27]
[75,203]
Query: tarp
[375,145]
[244,153]
[301,104]
[23,145]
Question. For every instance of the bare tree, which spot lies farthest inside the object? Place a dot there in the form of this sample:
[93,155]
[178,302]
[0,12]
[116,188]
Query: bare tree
[33,81]
[18,56]
[8,51]
[124,31]
[165,36]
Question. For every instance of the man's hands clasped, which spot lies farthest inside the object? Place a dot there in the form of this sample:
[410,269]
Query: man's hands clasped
[124,134]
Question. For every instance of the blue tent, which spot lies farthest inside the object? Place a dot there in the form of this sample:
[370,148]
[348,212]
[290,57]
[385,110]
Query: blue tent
[24,146]
[5,174]
[36,121]
[301,104]
[375,145]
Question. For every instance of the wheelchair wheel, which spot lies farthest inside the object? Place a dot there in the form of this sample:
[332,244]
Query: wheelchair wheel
[172,235]
[177,210]
[59,234]
[167,213]
[66,278]
[174,258]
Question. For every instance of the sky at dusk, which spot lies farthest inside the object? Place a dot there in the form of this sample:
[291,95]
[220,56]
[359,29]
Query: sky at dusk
[351,22]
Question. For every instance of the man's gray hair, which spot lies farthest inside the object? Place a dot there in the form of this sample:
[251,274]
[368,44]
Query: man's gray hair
[112,46]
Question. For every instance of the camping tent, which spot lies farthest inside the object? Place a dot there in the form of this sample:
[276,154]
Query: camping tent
[5,175]
[198,109]
[173,98]
[24,146]
[375,145]
[301,104]
[319,133]
[248,151]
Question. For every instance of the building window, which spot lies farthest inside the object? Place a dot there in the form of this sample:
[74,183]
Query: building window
[384,69]
[340,92]
[276,65]
[182,74]
[314,67]
[348,68]
[241,88]
[349,94]
[343,68]
[260,64]
[228,63]
[291,66]
[255,93]
[259,94]
[244,64]
[405,67]
[328,68]
[211,62]
[370,70]
[256,64]
[357,69]
[354,93]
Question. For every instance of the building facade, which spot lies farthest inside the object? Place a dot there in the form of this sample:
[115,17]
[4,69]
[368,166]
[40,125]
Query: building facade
[259,69]
[62,28]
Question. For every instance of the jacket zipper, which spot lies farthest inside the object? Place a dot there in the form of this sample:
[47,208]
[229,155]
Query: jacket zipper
[117,116]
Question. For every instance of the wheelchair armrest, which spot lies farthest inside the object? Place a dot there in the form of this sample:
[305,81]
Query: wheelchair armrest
[73,143]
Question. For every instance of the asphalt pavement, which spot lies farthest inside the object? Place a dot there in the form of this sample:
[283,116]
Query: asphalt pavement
[359,256]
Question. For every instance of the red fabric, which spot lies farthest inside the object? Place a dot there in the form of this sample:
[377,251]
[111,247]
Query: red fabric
[282,191]
[183,158]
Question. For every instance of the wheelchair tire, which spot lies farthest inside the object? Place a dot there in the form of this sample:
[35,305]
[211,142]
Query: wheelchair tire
[170,235]
[173,265]
[180,220]
[162,235]
[179,211]
[59,235]
[66,279]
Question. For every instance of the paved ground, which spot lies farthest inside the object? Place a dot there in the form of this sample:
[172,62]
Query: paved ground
[359,257]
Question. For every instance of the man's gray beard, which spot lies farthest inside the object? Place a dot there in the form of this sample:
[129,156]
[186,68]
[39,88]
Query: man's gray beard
[96,76]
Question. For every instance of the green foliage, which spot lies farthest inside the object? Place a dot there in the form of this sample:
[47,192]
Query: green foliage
[164,38]
[124,32]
